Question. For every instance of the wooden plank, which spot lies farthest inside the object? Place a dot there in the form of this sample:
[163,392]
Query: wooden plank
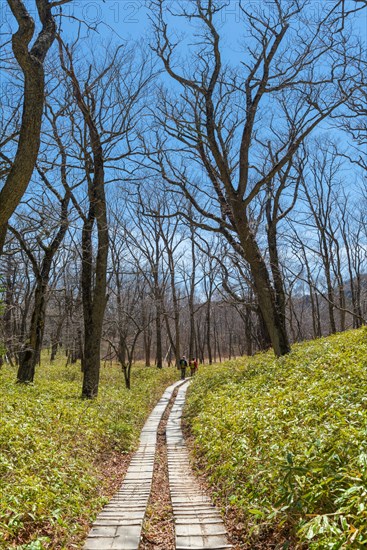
[118,526]
[198,524]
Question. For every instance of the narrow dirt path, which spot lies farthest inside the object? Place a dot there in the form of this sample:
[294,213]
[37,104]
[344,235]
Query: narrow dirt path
[160,489]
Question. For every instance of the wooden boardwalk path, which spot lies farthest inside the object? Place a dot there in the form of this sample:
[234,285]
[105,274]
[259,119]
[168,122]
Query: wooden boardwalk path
[197,523]
[119,524]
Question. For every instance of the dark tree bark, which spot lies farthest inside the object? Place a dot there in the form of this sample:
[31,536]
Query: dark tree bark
[31,352]
[274,215]
[94,284]
[31,62]
[191,303]
[94,270]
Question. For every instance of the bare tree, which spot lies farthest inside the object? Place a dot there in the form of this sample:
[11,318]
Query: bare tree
[109,101]
[147,248]
[31,61]
[30,354]
[220,123]
[126,318]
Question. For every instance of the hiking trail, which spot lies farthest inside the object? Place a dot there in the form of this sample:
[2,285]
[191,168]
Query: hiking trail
[197,523]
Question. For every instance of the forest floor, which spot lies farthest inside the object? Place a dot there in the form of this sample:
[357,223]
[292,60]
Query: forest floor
[282,445]
[279,445]
[61,457]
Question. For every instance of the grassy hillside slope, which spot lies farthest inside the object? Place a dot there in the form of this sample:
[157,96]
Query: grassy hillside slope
[284,443]
[55,449]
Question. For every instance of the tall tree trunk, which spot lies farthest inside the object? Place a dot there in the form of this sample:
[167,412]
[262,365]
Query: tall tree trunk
[176,344]
[318,315]
[127,376]
[94,275]
[94,284]
[337,268]
[208,332]
[266,295]
[279,292]
[158,329]
[94,303]
[31,353]
[32,348]
[32,65]
[262,332]
[314,314]
[192,295]
[147,346]
[54,348]
[342,305]
[200,343]
[330,293]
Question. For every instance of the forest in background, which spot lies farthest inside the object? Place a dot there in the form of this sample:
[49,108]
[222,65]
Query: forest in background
[161,199]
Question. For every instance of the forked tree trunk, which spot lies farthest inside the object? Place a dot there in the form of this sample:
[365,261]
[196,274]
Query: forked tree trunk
[265,293]
[127,376]
[94,269]
[94,284]
[30,354]
[32,65]
[279,292]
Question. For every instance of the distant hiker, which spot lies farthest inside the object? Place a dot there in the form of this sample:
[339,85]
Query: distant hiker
[192,366]
[183,365]
[195,365]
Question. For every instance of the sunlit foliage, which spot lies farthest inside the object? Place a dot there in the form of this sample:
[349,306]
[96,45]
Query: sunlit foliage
[285,441]
[50,443]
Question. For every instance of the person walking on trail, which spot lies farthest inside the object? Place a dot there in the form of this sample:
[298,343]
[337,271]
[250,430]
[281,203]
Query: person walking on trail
[183,365]
[193,366]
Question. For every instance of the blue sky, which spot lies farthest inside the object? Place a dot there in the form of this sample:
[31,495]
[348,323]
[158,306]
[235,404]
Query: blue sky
[128,19]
